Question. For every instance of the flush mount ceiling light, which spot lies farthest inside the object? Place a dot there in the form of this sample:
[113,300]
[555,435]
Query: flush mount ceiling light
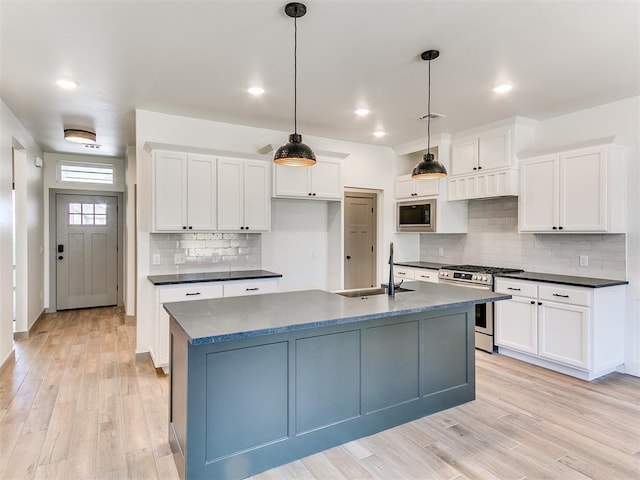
[429,167]
[255,90]
[503,88]
[295,153]
[77,135]
[67,84]
[362,112]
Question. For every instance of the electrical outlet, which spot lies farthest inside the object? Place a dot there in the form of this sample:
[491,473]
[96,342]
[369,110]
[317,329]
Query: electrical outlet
[441,252]
[313,255]
[179,258]
[156,259]
[215,257]
[584,261]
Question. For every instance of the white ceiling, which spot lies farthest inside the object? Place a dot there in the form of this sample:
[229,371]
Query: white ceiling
[196,58]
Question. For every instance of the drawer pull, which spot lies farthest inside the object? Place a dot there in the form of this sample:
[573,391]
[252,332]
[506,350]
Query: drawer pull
[401,273]
[511,288]
[425,276]
[191,294]
[252,289]
[558,295]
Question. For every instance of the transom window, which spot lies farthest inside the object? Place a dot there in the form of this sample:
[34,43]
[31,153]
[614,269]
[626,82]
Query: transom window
[86,173]
[87,214]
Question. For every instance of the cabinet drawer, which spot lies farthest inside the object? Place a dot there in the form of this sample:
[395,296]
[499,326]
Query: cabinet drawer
[249,287]
[563,294]
[192,291]
[426,275]
[516,287]
[403,272]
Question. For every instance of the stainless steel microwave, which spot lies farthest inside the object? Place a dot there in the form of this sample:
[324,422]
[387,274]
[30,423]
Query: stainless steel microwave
[416,216]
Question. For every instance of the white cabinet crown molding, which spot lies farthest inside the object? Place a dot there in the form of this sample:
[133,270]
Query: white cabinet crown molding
[149,147]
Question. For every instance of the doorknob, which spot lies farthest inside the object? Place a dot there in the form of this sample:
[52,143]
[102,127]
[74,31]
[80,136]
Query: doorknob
[348,257]
[60,257]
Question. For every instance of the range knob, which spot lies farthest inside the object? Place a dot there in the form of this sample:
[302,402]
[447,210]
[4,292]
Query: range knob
[484,279]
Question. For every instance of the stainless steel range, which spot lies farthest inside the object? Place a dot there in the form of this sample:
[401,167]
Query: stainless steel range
[477,276]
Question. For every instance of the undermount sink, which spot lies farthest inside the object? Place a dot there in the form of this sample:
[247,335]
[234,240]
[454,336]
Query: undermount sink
[368,292]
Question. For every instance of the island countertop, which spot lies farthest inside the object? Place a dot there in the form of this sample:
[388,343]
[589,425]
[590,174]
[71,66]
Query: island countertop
[224,319]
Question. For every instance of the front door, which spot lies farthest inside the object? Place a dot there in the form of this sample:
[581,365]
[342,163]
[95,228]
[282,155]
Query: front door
[86,251]
[360,240]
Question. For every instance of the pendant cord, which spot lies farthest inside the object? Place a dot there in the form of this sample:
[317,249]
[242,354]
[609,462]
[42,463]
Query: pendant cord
[295,75]
[429,112]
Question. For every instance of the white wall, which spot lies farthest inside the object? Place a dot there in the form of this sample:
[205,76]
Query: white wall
[365,166]
[13,134]
[51,161]
[130,233]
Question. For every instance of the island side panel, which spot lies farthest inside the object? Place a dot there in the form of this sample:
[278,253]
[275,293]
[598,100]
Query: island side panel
[260,402]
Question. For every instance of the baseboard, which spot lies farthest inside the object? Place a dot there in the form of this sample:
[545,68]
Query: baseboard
[9,358]
[632,368]
[19,335]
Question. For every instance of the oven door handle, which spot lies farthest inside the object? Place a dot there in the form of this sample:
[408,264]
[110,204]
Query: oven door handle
[468,285]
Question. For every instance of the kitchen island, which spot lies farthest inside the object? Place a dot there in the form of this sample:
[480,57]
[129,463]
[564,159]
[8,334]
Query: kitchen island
[260,381]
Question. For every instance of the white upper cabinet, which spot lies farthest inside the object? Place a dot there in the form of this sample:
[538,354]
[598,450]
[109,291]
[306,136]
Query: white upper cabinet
[322,181]
[484,164]
[486,151]
[579,191]
[244,202]
[184,192]
[407,188]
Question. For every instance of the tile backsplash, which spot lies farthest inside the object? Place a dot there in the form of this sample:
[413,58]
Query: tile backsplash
[493,239]
[209,252]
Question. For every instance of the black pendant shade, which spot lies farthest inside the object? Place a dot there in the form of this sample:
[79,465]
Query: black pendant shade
[429,167]
[295,153]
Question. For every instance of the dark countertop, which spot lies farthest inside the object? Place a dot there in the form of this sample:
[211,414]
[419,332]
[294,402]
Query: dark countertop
[224,319]
[564,279]
[432,265]
[211,277]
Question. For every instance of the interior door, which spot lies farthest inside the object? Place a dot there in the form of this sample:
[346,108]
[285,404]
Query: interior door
[86,251]
[360,241]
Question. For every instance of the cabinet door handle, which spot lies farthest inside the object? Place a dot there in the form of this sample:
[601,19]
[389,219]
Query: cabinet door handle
[475,168]
[539,303]
[560,228]
[192,294]
[555,228]
[184,227]
[246,228]
[190,227]
[309,193]
[255,289]
[511,288]
[314,194]
[532,302]
[558,295]
[479,167]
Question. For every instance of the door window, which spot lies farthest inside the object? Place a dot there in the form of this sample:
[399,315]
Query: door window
[87,214]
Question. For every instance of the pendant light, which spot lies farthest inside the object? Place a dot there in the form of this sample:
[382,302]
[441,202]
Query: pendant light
[429,167]
[295,153]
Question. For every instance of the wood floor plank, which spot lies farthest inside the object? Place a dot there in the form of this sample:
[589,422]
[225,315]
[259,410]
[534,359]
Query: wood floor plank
[75,403]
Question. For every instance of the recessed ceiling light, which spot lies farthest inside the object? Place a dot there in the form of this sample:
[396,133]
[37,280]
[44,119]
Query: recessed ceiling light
[362,112]
[77,135]
[255,90]
[66,84]
[503,88]
[379,133]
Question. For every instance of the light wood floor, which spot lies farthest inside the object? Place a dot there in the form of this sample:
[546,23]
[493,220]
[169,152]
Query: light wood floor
[76,404]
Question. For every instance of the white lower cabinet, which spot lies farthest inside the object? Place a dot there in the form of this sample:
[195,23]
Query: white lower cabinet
[415,273]
[426,275]
[578,331]
[159,348]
